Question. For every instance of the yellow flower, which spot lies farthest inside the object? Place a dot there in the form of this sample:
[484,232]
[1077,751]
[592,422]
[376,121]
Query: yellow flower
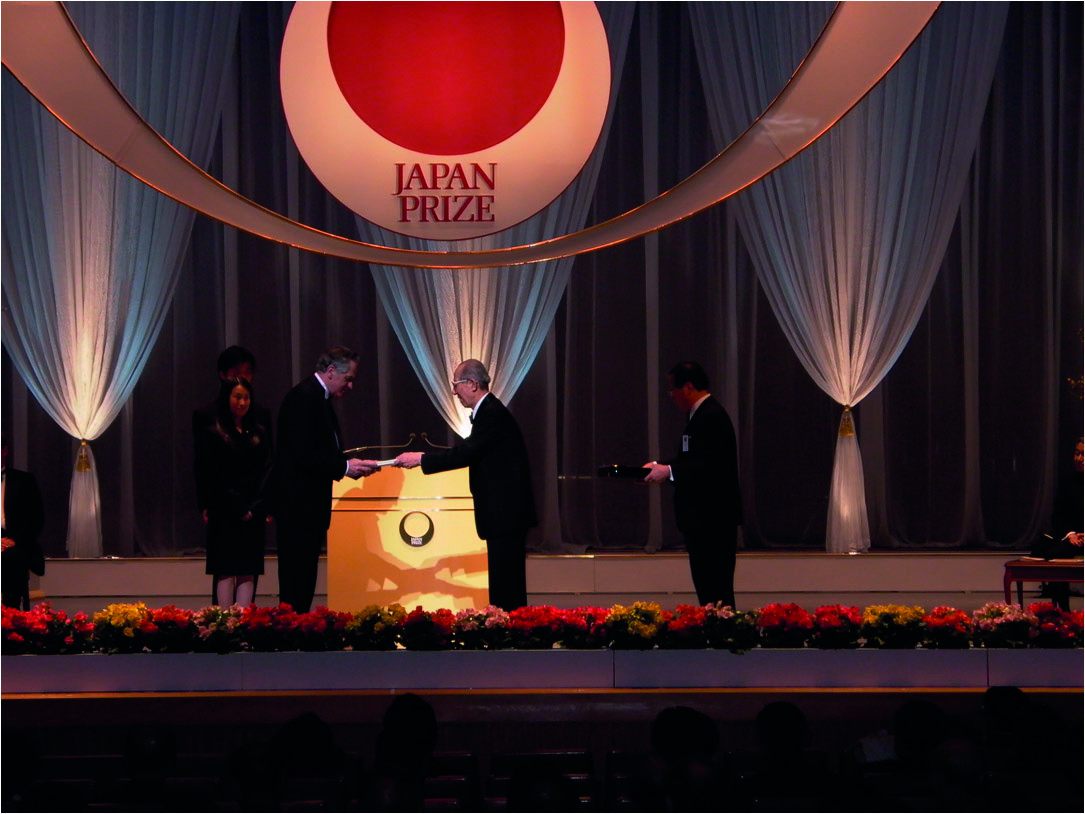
[898,614]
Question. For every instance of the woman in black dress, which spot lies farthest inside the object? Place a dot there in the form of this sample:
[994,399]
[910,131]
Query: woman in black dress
[233,461]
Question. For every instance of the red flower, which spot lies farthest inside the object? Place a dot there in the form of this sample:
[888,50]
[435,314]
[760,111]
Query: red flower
[581,627]
[788,616]
[1057,628]
[947,627]
[784,625]
[444,619]
[685,628]
[836,627]
[172,615]
[421,630]
[536,627]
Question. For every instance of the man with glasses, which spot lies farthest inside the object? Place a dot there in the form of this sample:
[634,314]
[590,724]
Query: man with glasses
[707,501]
[499,477]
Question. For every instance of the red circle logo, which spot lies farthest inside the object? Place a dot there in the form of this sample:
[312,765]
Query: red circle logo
[446,78]
[445,121]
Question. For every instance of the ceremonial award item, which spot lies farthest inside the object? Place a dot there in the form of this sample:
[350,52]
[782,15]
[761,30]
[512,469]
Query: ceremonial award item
[619,471]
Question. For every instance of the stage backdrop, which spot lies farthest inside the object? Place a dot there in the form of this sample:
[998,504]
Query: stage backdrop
[962,442]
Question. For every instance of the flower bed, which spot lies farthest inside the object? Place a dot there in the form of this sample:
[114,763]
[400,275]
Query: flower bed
[134,628]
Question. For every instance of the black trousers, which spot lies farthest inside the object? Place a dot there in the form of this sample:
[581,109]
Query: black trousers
[505,560]
[299,548]
[1060,595]
[15,579]
[712,564]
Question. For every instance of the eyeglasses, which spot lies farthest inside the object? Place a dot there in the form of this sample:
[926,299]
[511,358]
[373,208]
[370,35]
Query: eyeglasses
[460,381]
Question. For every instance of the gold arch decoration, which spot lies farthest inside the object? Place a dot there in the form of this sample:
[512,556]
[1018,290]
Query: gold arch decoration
[860,44]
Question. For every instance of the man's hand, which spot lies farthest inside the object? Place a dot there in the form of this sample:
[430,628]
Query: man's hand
[409,460]
[357,468]
[7,543]
[1075,538]
[658,474]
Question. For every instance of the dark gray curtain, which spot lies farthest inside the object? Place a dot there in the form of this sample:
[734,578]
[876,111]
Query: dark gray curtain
[982,386]
[962,442]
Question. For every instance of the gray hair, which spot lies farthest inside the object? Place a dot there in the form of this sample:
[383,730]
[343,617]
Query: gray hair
[339,356]
[474,370]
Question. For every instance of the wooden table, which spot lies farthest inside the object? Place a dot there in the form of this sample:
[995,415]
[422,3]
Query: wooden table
[1039,571]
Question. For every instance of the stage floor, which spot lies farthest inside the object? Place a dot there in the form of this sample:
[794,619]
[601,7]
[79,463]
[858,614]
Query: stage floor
[965,580]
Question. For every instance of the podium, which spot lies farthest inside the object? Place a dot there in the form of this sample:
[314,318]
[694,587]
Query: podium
[402,536]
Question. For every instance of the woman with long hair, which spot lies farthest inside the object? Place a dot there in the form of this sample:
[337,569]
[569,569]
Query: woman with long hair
[233,462]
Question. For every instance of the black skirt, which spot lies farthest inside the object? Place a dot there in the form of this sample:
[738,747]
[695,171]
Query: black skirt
[235,548]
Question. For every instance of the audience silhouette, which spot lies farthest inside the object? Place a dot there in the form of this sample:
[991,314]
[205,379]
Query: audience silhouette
[401,760]
[1007,755]
[682,773]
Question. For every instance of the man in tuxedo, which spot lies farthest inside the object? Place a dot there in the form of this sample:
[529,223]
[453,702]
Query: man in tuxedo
[707,500]
[500,481]
[308,459]
[22,517]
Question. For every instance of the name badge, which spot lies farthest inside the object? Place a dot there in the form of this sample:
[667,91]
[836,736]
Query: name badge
[685,443]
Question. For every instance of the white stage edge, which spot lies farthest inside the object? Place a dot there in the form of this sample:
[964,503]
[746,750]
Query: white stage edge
[541,669]
[962,580]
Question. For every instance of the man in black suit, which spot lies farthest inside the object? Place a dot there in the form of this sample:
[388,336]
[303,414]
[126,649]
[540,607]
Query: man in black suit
[707,500]
[308,459]
[500,481]
[22,517]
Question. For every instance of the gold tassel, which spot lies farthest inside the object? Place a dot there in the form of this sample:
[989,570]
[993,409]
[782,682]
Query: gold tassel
[82,461]
[847,427]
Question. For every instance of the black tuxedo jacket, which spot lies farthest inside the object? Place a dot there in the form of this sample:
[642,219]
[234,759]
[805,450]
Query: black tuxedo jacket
[498,471]
[24,517]
[308,457]
[706,490]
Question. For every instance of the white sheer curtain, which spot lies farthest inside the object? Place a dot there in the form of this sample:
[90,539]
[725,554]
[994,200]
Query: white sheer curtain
[90,255]
[848,237]
[497,315]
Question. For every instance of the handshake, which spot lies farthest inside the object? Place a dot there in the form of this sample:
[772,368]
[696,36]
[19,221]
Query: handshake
[359,468]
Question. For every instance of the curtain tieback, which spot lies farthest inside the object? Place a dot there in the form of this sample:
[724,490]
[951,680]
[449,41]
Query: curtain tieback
[82,461]
[847,426]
